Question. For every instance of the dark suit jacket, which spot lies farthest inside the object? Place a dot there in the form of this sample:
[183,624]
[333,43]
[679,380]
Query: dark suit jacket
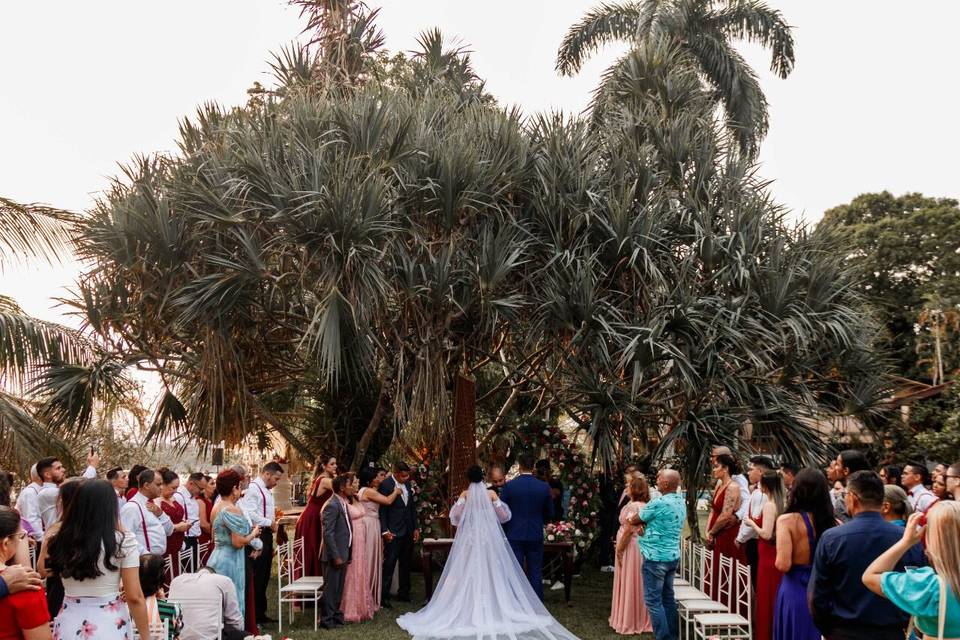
[336,531]
[398,518]
[531,504]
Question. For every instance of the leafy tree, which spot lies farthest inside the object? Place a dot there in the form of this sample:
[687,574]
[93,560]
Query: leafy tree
[703,29]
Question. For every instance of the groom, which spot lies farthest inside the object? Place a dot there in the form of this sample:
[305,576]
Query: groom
[530,502]
[398,524]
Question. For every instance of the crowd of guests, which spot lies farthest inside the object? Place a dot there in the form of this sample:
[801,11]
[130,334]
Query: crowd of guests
[841,553]
[107,547]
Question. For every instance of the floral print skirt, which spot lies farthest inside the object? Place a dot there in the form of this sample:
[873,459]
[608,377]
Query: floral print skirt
[99,618]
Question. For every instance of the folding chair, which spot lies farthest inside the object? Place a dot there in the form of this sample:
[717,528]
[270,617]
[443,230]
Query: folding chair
[687,609]
[731,625]
[294,587]
[702,564]
[185,558]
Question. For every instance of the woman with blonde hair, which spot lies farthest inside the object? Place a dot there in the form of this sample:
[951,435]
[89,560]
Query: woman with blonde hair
[930,594]
[628,614]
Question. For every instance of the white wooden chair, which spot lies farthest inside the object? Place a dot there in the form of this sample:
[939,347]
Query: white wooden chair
[294,587]
[683,577]
[167,572]
[203,554]
[189,608]
[158,631]
[186,558]
[32,549]
[701,567]
[687,609]
[735,624]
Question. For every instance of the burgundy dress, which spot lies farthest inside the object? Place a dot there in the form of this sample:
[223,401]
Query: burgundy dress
[768,581]
[206,538]
[309,528]
[724,543]
[176,513]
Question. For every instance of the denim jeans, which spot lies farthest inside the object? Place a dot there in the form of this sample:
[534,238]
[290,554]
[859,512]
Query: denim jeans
[658,596]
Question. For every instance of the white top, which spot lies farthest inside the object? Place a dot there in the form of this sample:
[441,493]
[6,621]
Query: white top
[47,500]
[741,480]
[150,531]
[257,503]
[404,495]
[754,509]
[29,507]
[192,508]
[107,584]
[205,593]
[921,498]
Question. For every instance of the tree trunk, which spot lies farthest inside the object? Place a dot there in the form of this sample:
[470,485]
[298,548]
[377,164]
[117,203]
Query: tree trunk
[691,476]
[372,427]
[464,451]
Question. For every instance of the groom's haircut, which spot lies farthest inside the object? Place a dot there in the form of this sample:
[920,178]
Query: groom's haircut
[526,462]
[401,467]
[340,482]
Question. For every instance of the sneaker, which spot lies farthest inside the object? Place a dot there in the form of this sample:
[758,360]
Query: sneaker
[556,586]
[606,569]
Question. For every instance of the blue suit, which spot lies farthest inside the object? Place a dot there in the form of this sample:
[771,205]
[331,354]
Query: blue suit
[531,504]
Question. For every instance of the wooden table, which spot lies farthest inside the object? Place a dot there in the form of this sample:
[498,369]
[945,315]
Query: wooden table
[431,545]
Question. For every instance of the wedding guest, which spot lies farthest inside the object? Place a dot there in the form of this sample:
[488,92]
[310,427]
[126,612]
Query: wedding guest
[117,478]
[54,475]
[142,516]
[250,553]
[788,471]
[747,534]
[232,533]
[172,505]
[938,487]
[738,477]
[661,523]
[370,498]
[260,508]
[531,504]
[133,481]
[398,528]
[953,481]
[205,509]
[890,474]
[28,506]
[768,576]
[939,468]
[848,461]
[843,608]
[915,478]
[208,597]
[94,556]
[918,591]
[188,494]
[159,611]
[23,614]
[723,525]
[629,473]
[628,615]
[497,478]
[809,513]
[357,603]
[896,506]
[335,554]
[68,490]
[308,524]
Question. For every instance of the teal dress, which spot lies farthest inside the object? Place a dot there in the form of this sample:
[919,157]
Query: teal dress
[917,592]
[226,559]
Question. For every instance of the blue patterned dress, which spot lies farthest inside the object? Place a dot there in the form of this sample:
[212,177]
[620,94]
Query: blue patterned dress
[226,559]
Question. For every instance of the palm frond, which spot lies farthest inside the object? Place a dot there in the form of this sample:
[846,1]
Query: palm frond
[33,231]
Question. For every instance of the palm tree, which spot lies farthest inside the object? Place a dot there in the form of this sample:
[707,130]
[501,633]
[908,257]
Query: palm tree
[704,29]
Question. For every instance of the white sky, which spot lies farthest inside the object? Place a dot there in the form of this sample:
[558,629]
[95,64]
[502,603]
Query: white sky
[872,103]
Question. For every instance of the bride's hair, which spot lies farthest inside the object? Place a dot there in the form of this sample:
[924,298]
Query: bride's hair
[475,473]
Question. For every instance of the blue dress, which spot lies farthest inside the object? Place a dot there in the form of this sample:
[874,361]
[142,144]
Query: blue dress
[792,619]
[226,559]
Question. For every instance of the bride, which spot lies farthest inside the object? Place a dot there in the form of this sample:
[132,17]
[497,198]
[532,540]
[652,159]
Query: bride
[483,593]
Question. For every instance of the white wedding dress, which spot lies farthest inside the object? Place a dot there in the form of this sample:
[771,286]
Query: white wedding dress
[483,593]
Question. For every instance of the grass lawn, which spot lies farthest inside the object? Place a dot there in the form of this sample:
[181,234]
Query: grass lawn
[586,617]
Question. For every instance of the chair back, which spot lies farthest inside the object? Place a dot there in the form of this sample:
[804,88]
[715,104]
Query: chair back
[168,574]
[742,590]
[186,558]
[684,570]
[189,608]
[725,582]
[158,631]
[702,569]
[289,562]
[203,554]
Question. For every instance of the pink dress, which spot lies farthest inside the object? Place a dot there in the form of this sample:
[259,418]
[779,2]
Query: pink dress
[628,615]
[374,548]
[357,600]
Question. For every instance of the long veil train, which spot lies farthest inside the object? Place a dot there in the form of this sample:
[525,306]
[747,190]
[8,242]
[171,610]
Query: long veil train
[483,593]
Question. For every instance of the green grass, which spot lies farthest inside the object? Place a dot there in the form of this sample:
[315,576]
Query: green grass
[586,617]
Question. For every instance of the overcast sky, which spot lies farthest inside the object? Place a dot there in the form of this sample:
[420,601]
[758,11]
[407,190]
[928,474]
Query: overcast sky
[872,104]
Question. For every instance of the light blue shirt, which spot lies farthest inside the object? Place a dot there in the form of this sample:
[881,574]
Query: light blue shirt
[917,592]
[663,524]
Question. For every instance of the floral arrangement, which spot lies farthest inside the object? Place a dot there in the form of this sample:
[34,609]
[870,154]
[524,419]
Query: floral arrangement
[424,482]
[584,504]
[563,532]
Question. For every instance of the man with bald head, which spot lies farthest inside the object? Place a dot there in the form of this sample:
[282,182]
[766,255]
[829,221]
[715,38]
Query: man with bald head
[661,523]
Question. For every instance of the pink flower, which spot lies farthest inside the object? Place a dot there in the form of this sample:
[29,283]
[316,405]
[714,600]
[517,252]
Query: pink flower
[87,630]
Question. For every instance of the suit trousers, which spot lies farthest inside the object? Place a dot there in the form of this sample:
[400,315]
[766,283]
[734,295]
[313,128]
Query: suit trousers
[530,554]
[191,544]
[397,552]
[333,578]
[261,574]
[752,552]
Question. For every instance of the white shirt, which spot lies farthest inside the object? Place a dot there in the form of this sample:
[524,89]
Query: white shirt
[257,503]
[403,489]
[200,616]
[754,509]
[108,582]
[191,507]
[741,480]
[120,501]
[151,532]
[47,500]
[29,508]
[921,498]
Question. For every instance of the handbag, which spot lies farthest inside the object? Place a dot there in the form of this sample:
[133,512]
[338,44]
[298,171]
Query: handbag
[941,614]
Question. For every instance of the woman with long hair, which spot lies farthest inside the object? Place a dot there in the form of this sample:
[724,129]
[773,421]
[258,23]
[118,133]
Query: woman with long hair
[890,474]
[93,556]
[232,533]
[768,576]
[23,615]
[628,614]
[177,513]
[309,527]
[723,525]
[938,486]
[133,480]
[930,594]
[357,605]
[68,490]
[808,514]
[205,502]
[371,499]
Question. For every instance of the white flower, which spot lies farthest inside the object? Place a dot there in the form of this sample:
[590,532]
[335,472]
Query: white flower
[546,432]
[551,537]
[577,532]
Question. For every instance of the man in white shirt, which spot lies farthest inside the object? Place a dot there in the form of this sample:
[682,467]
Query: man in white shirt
[914,477]
[118,478]
[258,505]
[28,506]
[187,496]
[141,515]
[205,597]
[747,536]
[53,474]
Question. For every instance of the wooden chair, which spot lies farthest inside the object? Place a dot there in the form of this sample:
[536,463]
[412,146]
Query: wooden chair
[735,624]
[294,587]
